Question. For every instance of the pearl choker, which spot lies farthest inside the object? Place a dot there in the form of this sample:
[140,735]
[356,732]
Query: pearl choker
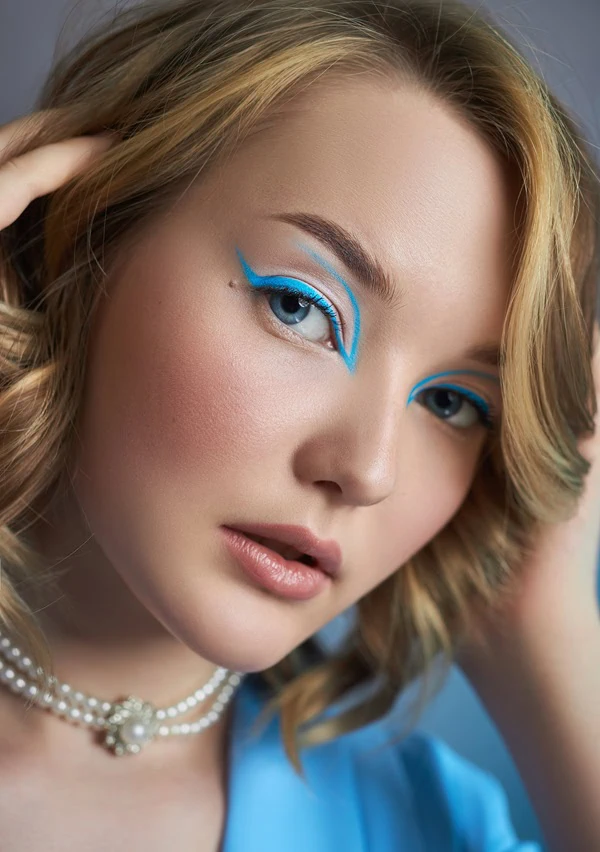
[129,724]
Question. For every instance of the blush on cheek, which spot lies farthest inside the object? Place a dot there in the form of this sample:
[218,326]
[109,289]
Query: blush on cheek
[203,398]
[406,525]
[436,484]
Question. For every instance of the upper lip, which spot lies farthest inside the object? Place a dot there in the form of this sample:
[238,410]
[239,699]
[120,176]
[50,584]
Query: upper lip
[327,553]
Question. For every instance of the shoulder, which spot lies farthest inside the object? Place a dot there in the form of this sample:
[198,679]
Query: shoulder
[370,789]
[455,804]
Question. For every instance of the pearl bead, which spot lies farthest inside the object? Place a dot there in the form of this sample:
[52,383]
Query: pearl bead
[133,731]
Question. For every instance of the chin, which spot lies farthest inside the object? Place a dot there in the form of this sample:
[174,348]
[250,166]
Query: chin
[252,656]
[243,630]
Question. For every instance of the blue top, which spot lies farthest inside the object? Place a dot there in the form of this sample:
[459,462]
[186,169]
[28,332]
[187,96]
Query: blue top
[415,795]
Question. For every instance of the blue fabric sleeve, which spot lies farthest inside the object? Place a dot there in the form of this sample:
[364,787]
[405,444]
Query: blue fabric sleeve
[470,804]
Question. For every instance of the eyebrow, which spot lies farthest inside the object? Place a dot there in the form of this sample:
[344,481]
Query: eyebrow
[488,353]
[369,271]
[352,254]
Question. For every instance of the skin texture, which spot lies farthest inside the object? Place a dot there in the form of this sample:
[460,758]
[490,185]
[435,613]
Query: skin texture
[202,408]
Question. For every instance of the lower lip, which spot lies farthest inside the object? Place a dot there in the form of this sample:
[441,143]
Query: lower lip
[286,577]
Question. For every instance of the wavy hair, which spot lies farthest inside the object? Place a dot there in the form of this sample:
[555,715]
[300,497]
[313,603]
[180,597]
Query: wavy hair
[184,84]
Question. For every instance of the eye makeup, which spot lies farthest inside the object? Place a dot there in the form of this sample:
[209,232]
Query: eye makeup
[294,287]
[280,284]
[488,414]
[453,373]
[350,359]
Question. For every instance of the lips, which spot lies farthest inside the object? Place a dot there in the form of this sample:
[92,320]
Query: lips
[285,550]
[296,542]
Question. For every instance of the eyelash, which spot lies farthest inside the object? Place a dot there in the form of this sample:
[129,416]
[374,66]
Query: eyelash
[487,412]
[312,298]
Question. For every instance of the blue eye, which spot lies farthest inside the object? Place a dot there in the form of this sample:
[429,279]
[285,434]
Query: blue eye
[293,304]
[449,400]
[294,307]
[297,291]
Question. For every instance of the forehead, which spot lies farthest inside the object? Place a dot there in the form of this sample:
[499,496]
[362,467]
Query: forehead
[400,169]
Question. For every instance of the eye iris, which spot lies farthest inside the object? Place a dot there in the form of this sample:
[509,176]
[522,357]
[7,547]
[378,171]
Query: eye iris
[450,404]
[290,305]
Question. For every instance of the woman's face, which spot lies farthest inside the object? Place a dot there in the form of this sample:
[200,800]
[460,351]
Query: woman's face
[210,402]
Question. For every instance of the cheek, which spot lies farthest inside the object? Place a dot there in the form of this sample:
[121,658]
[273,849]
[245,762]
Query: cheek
[158,395]
[435,475]
[186,392]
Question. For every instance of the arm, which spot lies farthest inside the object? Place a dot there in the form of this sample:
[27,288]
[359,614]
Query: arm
[542,690]
[539,674]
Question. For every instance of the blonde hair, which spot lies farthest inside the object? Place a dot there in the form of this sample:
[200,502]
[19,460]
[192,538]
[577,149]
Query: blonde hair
[184,83]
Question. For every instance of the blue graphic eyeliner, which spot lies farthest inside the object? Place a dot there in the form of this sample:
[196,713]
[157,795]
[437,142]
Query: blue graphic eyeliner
[289,285]
[451,373]
[478,401]
[293,285]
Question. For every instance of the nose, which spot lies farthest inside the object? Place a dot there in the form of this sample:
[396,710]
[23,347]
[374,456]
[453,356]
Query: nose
[355,453]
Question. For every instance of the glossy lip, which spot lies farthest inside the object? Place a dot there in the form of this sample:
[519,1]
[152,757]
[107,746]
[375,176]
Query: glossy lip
[287,578]
[327,554]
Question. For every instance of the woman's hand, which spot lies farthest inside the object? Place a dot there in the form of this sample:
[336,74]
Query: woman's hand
[557,585]
[538,671]
[43,170]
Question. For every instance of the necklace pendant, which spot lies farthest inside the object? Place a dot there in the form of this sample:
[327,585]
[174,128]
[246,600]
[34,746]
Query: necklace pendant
[132,723]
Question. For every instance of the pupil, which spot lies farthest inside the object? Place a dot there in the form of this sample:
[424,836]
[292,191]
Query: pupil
[450,401]
[290,308]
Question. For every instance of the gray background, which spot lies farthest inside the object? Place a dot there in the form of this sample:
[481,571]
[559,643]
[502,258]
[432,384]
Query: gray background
[562,40]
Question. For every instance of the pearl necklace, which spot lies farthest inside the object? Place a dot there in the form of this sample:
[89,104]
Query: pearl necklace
[128,725]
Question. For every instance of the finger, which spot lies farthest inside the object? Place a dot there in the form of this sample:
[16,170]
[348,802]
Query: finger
[16,132]
[44,170]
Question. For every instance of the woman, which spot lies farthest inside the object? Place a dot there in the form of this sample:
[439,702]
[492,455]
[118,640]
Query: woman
[312,327]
